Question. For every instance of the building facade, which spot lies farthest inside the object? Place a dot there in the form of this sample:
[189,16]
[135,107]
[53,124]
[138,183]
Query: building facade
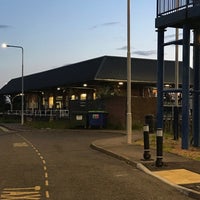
[87,85]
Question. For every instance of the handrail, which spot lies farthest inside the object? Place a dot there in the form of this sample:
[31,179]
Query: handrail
[165,7]
[42,113]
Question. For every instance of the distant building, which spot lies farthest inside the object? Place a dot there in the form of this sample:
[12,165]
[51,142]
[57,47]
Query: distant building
[96,80]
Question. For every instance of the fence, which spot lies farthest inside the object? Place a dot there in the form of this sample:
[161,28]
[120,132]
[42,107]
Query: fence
[61,113]
[165,7]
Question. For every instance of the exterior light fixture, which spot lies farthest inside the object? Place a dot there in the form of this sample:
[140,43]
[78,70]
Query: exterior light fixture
[4,45]
[22,92]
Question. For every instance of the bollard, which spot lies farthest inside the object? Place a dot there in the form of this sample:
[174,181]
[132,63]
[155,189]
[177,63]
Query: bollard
[146,154]
[159,146]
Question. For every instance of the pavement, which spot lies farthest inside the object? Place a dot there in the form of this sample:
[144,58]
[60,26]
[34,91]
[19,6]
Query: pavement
[179,172]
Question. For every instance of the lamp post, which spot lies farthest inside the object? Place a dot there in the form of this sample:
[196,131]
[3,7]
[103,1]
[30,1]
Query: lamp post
[22,49]
[129,114]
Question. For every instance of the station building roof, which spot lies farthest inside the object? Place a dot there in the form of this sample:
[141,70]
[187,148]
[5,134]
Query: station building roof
[105,68]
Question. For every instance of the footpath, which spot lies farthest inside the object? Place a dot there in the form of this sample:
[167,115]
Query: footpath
[179,172]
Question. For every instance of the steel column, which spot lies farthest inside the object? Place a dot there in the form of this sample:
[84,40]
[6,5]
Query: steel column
[196,86]
[160,81]
[160,78]
[185,87]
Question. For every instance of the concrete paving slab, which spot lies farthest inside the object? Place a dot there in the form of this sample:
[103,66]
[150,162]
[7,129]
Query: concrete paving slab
[179,176]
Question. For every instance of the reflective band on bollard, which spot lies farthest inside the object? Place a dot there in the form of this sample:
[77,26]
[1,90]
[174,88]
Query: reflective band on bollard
[146,128]
[146,154]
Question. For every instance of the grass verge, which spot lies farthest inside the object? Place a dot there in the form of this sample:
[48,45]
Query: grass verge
[173,146]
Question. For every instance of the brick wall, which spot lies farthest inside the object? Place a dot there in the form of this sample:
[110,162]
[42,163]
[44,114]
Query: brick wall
[141,106]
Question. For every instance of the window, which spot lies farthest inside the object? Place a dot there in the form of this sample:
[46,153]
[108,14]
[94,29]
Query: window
[83,96]
[73,97]
[51,102]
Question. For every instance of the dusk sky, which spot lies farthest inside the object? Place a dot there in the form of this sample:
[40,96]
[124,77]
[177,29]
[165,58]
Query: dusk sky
[54,33]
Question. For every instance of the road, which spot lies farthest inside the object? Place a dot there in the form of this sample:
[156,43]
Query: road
[60,165]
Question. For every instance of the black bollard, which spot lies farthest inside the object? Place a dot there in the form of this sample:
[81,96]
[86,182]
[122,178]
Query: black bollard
[159,146]
[146,154]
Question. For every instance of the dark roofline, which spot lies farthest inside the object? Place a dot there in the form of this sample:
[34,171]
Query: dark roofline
[104,68]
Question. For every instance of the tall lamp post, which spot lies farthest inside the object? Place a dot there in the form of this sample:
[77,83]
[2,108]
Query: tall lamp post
[22,49]
[129,114]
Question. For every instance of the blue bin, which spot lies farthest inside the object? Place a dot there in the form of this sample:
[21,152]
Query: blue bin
[97,119]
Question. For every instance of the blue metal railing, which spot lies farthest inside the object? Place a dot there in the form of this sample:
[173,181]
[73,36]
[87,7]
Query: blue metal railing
[165,7]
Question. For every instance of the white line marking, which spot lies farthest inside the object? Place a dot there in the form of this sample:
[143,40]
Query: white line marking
[121,175]
[20,144]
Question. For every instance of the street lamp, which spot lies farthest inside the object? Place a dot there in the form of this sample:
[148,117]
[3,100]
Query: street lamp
[129,114]
[22,107]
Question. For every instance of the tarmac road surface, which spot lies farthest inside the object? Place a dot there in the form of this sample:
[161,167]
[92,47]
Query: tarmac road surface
[60,165]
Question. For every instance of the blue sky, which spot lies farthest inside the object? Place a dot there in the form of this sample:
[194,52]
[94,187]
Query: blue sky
[59,32]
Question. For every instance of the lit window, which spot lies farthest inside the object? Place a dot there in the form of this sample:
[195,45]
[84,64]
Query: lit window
[94,95]
[155,92]
[73,97]
[50,102]
[83,96]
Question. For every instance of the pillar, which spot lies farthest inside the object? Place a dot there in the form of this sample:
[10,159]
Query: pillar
[185,87]
[160,77]
[196,88]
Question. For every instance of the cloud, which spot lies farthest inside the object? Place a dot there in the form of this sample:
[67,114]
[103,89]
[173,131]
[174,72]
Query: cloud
[105,24]
[110,24]
[139,52]
[122,48]
[172,36]
[4,26]
[145,53]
